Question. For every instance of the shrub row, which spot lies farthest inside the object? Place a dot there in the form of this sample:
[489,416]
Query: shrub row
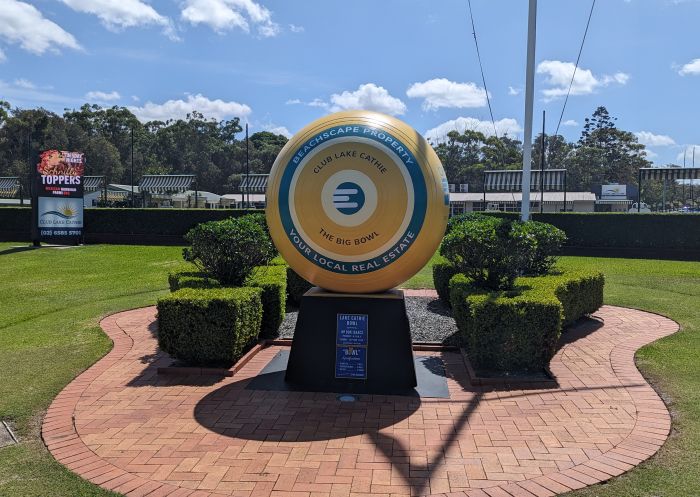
[443,271]
[122,225]
[211,326]
[296,286]
[594,230]
[518,330]
[271,279]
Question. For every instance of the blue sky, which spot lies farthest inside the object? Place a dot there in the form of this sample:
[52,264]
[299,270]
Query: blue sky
[279,64]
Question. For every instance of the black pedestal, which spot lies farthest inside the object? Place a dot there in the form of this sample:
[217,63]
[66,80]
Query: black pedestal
[352,343]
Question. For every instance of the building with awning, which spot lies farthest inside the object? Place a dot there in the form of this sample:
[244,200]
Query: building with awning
[93,183]
[461,202]
[166,183]
[254,183]
[512,180]
[10,187]
[157,189]
[200,199]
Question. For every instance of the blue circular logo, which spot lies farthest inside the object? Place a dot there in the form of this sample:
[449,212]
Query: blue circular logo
[348,198]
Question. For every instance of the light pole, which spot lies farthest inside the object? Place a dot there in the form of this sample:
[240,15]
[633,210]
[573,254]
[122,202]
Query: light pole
[132,166]
[529,98]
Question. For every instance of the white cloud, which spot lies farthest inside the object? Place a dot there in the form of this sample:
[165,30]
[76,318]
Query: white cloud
[101,96]
[558,76]
[688,151]
[296,29]
[178,109]
[316,102]
[441,92]
[278,130]
[506,126]
[224,15]
[3,57]
[514,91]
[24,25]
[367,96]
[25,83]
[651,140]
[120,14]
[570,122]
[692,67]
[651,154]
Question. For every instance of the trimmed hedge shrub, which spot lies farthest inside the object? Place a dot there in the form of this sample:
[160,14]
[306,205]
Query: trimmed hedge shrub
[273,282]
[580,293]
[548,242]
[443,271]
[506,332]
[189,276]
[296,286]
[209,326]
[228,250]
[271,279]
[513,330]
[488,251]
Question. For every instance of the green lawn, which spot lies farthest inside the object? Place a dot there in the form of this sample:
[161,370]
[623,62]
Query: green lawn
[51,302]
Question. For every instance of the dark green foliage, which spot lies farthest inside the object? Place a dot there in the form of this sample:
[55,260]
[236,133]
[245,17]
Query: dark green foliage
[676,232]
[518,329]
[229,250]
[459,218]
[548,242]
[209,326]
[189,276]
[506,331]
[260,219]
[273,281]
[443,271]
[296,286]
[484,249]
[580,293]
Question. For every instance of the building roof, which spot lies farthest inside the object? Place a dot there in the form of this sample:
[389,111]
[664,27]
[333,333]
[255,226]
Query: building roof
[92,183]
[9,186]
[209,196]
[254,183]
[517,197]
[512,180]
[166,183]
[243,197]
[123,188]
[671,173]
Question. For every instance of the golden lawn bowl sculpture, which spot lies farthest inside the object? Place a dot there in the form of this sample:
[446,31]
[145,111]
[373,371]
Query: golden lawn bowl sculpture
[357,202]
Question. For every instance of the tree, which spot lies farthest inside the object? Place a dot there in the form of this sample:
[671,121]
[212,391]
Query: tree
[605,154]
[557,152]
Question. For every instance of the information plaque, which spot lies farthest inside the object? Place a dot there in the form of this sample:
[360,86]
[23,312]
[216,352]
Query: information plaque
[351,346]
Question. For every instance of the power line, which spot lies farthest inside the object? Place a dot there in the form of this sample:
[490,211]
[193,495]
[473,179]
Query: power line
[481,67]
[583,41]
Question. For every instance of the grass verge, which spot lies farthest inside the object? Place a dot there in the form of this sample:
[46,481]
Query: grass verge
[51,302]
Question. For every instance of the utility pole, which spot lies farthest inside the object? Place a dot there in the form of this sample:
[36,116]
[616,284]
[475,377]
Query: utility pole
[542,166]
[247,166]
[132,166]
[529,98]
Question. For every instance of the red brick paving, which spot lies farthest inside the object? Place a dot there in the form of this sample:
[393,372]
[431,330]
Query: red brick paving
[125,428]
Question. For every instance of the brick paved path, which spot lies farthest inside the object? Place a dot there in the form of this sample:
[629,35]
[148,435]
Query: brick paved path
[125,428]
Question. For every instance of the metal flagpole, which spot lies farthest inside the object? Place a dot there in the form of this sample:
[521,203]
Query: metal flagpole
[529,98]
